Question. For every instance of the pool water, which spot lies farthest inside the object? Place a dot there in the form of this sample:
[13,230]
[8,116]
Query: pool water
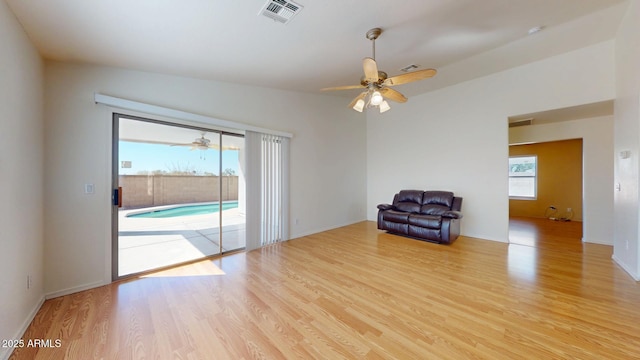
[186,210]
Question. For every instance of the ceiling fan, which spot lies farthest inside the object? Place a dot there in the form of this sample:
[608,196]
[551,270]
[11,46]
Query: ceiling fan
[200,143]
[203,143]
[378,84]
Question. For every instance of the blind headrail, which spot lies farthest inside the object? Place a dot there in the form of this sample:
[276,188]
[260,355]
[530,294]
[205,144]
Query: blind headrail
[179,114]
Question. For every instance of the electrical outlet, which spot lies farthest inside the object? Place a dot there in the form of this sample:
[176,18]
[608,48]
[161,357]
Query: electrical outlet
[568,209]
[28,282]
[296,221]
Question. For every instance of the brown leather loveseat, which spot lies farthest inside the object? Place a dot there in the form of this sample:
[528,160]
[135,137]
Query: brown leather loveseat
[426,215]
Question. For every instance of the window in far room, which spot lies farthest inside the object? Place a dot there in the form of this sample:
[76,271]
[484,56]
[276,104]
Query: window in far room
[522,177]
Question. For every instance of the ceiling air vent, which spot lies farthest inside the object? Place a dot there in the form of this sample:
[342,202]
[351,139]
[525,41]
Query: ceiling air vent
[522,122]
[280,10]
[409,68]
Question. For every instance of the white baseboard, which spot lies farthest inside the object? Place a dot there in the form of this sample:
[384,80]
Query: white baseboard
[592,241]
[6,352]
[76,289]
[625,268]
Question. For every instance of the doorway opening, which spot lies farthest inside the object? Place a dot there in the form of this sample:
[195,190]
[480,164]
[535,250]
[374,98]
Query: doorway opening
[545,183]
[179,194]
[593,123]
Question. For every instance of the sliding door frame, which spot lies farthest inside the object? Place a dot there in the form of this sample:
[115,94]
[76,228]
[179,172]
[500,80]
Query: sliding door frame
[116,196]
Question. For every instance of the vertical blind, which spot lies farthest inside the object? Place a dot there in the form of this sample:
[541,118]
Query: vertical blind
[267,189]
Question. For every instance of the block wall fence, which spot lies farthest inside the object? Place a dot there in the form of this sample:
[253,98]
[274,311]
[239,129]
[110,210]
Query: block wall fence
[140,191]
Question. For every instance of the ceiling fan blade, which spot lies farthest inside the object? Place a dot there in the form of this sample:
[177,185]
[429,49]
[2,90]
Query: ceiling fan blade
[225,147]
[370,70]
[410,77]
[359,97]
[347,87]
[393,95]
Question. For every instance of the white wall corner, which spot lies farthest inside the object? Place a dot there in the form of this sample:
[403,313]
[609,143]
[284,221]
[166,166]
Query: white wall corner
[6,352]
[635,276]
[75,289]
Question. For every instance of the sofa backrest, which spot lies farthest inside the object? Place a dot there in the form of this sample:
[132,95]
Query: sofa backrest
[426,202]
[408,200]
[436,202]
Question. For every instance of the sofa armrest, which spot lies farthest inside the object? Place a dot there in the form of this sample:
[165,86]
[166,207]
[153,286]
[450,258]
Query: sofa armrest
[457,203]
[452,214]
[385,207]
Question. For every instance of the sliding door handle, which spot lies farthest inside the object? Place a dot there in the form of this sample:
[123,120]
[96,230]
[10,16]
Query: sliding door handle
[117,197]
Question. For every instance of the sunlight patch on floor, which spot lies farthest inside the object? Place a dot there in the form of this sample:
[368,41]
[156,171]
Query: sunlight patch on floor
[202,268]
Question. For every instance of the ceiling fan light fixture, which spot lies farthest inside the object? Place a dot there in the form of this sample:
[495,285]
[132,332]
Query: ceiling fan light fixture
[359,106]
[384,106]
[376,98]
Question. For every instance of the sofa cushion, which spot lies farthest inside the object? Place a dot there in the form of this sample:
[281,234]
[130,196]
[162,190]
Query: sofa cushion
[408,207]
[408,201]
[444,198]
[425,221]
[396,216]
[414,196]
[433,209]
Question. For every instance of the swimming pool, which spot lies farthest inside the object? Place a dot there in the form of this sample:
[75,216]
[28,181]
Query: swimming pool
[186,210]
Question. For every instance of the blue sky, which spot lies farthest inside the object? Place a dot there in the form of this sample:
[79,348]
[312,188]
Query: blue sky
[150,157]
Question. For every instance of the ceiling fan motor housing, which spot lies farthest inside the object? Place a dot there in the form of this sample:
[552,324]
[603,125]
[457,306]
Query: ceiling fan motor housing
[382,76]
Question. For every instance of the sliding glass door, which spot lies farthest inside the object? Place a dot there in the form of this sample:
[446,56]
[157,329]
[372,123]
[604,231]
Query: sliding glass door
[178,194]
[232,191]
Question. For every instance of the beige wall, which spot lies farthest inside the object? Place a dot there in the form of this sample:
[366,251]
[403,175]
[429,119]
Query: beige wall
[21,179]
[155,190]
[559,178]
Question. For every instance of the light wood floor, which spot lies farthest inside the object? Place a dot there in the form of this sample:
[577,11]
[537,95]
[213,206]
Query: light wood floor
[357,293]
[545,233]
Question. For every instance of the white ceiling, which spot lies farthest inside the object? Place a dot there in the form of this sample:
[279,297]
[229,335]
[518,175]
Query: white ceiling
[322,46]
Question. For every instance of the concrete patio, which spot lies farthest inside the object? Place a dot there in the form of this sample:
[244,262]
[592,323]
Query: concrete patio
[151,243]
